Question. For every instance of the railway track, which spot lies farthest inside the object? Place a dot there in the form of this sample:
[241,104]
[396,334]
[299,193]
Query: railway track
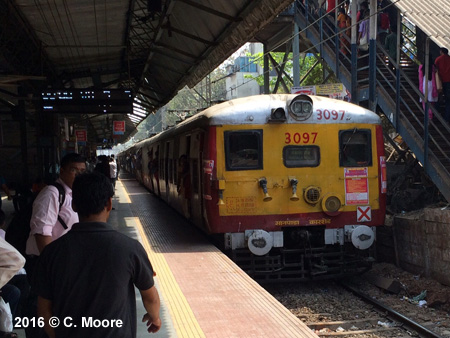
[397,319]
[335,309]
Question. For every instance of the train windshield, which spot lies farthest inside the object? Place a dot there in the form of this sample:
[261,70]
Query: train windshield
[243,149]
[355,148]
[301,156]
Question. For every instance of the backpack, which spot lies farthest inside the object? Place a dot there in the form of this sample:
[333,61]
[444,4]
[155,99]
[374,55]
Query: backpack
[18,229]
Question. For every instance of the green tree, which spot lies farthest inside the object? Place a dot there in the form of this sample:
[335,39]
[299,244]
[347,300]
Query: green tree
[207,92]
[258,59]
[307,62]
[315,76]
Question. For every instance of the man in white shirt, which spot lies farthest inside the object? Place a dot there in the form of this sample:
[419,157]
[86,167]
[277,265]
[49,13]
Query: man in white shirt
[49,221]
[11,261]
[46,225]
[113,170]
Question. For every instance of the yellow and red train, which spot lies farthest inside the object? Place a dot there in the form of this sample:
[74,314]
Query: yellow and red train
[294,186]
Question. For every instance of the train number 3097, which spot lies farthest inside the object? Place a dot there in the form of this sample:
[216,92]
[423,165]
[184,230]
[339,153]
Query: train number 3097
[297,138]
[330,115]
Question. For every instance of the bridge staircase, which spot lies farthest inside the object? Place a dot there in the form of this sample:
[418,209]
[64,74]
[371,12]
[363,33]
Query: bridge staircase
[395,91]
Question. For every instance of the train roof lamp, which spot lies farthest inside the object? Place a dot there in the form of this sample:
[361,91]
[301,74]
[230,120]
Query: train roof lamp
[301,107]
[277,115]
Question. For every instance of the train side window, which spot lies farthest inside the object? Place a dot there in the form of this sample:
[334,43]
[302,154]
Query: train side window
[355,148]
[301,156]
[243,149]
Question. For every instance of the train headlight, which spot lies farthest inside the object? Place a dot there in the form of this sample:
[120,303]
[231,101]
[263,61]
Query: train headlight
[301,107]
[312,194]
[307,108]
[331,204]
[297,108]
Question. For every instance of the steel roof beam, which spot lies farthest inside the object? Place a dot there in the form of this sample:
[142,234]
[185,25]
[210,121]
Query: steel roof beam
[170,69]
[19,44]
[177,50]
[190,36]
[149,97]
[211,11]
[255,15]
[169,55]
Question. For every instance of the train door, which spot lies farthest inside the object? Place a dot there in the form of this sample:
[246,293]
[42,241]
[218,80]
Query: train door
[196,177]
[186,179]
[168,170]
[150,168]
[360,170]
[201,182]
[156,171]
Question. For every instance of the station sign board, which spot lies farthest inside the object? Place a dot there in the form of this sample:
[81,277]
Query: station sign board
[118,127]
[331,90]
[81,135]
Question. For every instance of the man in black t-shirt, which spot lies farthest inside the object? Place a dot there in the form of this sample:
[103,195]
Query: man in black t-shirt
[86,278]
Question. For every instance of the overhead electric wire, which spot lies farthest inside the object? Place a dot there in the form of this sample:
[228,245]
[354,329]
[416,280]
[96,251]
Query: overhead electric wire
[311,48]
[62,31]
[106,29]
[96,27]
[46,23]
[75,36]
[307,50]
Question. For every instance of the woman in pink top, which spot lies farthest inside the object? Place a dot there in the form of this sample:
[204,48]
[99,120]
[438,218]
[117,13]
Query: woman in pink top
[431,83]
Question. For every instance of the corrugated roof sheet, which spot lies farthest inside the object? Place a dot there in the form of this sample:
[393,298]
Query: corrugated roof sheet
[432,16]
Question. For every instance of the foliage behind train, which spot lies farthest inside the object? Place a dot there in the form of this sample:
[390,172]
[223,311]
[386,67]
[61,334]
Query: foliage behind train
[292,186]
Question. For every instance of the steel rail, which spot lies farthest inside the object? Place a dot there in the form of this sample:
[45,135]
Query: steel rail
[394,314]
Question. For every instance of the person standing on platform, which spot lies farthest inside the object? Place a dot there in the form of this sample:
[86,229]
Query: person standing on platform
[102,166]
[11,261]
[49,220]
[52,217]
[113,171]
[91,272]
[443,65]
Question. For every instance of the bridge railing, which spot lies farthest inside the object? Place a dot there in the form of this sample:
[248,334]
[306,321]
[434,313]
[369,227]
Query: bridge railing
[397,84]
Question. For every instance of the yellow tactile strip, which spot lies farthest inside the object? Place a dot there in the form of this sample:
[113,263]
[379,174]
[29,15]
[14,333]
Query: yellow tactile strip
[225,301]
[182,316]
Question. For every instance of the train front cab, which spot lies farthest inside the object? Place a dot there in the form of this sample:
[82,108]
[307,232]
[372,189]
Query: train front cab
[303,198]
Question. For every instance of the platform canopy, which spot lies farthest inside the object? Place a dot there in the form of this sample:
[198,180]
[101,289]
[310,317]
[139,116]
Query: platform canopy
[432,16]
[153,48]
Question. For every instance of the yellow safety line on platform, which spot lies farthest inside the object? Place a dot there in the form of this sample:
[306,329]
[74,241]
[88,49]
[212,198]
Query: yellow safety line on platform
[127,197]
[184,321]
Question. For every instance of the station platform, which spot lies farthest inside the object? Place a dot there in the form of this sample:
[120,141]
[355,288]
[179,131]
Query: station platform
[203,293]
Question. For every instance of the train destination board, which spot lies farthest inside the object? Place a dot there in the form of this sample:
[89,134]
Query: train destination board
[82,101]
